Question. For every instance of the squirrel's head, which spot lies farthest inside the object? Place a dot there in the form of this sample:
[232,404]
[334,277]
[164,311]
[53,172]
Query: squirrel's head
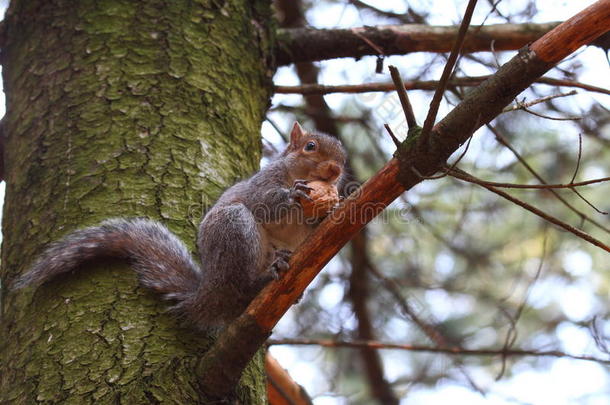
[315,156]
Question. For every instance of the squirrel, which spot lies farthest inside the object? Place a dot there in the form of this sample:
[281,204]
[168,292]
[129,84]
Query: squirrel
[244,241]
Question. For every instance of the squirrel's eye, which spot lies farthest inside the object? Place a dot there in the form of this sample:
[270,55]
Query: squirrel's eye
[311,145]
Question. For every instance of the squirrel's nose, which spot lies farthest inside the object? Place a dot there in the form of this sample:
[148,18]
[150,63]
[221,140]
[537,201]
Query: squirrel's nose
[329,171]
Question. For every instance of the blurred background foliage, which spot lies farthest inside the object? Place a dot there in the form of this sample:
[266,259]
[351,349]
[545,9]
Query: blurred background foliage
[451,264]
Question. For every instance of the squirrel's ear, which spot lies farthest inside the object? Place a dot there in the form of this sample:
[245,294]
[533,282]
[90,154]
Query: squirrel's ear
[296,134]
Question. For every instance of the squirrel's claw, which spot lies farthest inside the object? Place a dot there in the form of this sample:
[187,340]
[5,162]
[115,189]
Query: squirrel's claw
[296,194]
[280,265]
[301,184]
[300,189]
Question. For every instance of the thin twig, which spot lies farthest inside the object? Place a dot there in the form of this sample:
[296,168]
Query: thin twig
[572,83]
[520,106]
[461,176]
[387,14]
[394,139]
[430,349]
[370,43]
[429,328]
[277,129]
[455,51]
[404,98]
[418,85]
[598,335]
[578,158]
[511,335]
[583,235]
[574,176]
[547,117]
[584,217]
[589,203]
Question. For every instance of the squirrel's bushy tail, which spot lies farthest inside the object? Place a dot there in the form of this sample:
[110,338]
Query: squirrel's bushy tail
[161,260]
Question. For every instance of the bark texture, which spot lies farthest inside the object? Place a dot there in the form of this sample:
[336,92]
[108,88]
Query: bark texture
[119,108]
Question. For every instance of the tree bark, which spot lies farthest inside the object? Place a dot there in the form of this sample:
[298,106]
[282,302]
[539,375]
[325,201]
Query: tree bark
[120,108]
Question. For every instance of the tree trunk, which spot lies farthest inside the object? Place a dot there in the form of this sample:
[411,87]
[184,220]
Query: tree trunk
[119,108]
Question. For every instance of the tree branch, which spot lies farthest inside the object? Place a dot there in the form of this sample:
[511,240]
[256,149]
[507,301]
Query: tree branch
[472,179]
[431,349]
[522,105]
[221,366]
[456,50]
[407,108]
[419,85]
[294,44]
[281,388]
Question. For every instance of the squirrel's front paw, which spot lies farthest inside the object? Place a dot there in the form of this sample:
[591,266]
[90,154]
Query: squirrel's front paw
[300,190]
[280,265]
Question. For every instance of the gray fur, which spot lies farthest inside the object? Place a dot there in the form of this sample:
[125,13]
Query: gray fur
[146,244]
[253,224]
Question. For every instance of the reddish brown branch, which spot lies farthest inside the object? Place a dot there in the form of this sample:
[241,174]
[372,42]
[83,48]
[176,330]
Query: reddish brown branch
[590,23]
[433,349]
[281,388]
[295,43]
[222,365]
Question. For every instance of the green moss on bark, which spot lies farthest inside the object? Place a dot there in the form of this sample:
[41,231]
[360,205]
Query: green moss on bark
[119,108]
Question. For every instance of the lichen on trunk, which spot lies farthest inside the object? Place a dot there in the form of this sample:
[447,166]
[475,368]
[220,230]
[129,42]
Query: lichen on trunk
[119,108]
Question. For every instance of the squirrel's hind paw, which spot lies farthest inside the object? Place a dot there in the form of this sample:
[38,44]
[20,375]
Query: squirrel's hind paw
[280,265]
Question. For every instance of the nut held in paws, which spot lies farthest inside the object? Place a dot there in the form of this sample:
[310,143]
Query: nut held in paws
[324,196]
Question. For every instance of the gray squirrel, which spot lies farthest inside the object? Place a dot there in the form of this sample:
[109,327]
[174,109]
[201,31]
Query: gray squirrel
[244,240]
